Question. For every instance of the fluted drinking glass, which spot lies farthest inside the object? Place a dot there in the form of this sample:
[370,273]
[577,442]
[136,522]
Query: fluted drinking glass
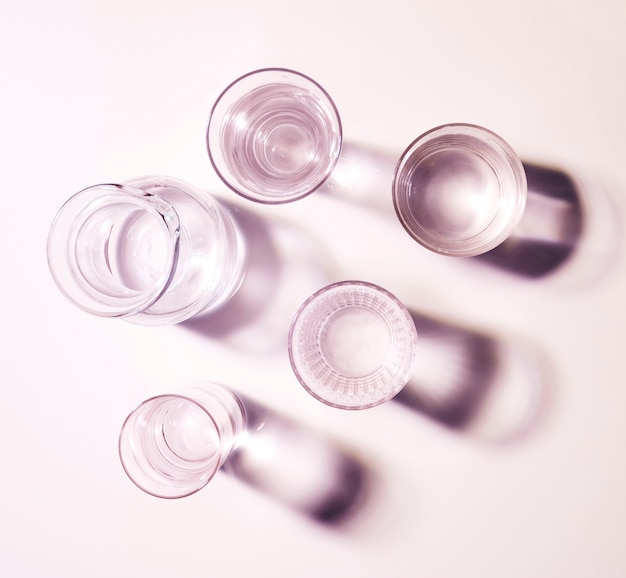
[352,345]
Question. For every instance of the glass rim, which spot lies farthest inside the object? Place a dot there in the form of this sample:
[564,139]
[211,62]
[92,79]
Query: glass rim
[484,240]
[127,455]
[61,237]
[399,308]
[259,197]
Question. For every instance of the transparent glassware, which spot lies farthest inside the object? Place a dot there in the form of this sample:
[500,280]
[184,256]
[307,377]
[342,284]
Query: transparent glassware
[459,190]
[352,345]
[153,250]
[172,445]
[274,135]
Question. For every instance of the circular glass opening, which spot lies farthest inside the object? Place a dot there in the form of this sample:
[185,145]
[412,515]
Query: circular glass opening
[459,190]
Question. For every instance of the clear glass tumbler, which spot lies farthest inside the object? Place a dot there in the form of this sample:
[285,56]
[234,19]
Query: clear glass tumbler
[172,445]
[459,190]
[274,135]
[352,345]
[153,250]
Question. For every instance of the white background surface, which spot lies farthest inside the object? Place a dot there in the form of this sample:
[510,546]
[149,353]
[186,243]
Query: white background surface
[105,91]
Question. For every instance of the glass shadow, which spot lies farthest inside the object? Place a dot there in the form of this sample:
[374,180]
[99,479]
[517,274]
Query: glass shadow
[300,468]
[550,229]
[488,388]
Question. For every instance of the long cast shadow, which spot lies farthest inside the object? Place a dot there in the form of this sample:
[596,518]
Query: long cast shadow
[482,386]
[550,229]
[300,468]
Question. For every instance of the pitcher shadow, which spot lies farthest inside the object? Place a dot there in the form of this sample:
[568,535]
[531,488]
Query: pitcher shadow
[284,265]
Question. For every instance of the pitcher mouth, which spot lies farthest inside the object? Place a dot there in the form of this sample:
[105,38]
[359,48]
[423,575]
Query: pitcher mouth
[113,249]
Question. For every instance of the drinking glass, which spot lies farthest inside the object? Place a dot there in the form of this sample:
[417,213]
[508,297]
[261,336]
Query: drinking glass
[172,445]
[352,345]
[154,250]
[274,135]
[459,190]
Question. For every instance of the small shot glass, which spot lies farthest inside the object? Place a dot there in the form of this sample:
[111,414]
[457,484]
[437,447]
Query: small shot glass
[459,190]
[172,445]
[352,345]
[274,135]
